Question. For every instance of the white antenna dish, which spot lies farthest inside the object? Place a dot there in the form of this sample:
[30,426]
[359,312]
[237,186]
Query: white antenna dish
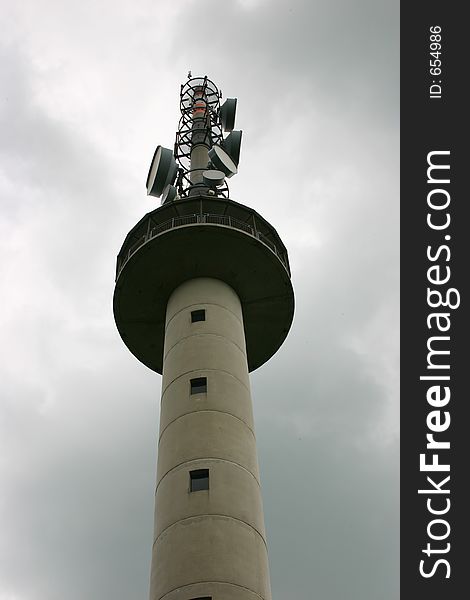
[162,172]
[222,161]
[169,194]
[213,178]
[231,144]
[227,114]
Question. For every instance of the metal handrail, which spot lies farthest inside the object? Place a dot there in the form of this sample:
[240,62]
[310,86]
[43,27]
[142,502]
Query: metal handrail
[211,219]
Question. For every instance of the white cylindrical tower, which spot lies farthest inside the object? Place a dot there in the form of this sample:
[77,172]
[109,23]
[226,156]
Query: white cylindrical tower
[203,296]
[209,527]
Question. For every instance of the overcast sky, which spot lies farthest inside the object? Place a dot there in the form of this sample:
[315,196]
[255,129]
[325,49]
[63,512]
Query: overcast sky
[87,90]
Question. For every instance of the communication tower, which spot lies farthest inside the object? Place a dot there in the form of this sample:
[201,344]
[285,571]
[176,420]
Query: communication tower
[203,296]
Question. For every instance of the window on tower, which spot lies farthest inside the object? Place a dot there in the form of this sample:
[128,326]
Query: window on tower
[199,385]
[198,315]
[199,480]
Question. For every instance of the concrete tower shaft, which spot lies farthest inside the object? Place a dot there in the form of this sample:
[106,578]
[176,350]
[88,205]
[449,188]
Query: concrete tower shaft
[209,542]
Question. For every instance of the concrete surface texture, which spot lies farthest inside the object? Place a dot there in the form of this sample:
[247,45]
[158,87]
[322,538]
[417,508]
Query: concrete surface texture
[210,542]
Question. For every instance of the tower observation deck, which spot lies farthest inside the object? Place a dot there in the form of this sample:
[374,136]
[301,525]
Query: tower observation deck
[203,296]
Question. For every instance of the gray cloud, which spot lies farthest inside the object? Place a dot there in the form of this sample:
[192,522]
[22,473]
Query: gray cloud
[87,92]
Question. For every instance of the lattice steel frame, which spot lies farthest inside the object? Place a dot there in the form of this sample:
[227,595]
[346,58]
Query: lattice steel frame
[211,132]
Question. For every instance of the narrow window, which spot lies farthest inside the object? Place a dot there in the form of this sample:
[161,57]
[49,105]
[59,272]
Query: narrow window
[199,385]
[198,315]
[202,598]
[199,480]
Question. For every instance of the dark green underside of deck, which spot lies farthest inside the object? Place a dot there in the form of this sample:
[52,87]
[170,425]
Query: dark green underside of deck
[203,250]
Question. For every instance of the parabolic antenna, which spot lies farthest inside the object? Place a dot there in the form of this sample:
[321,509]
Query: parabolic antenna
[222,161]
[232,144]
[227,114]
[162,171]
[213,178]
[169,194]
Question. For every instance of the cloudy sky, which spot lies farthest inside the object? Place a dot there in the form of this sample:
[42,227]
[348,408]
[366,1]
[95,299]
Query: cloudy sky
[87,90]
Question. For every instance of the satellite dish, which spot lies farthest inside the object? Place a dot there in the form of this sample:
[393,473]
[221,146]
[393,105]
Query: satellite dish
[232,144]
[213,178]
[162,171]
[227,114]
[169,194]
[222,161]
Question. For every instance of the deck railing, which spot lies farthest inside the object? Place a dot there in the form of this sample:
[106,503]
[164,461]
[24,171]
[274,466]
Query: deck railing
[195,219]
